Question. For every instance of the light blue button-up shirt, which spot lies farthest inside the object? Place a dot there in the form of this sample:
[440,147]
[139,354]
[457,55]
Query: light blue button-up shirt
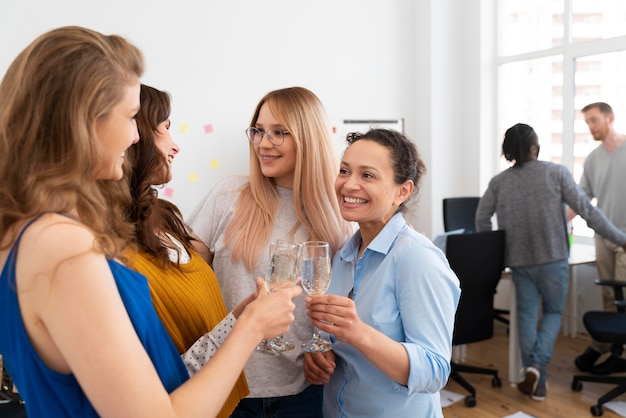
[403,287]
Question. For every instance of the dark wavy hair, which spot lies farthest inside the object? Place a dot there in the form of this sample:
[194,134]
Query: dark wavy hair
[405,158]
[152,216]
[517,142]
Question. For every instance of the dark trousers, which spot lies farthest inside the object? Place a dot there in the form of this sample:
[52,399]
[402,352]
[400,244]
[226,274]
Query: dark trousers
[306,404]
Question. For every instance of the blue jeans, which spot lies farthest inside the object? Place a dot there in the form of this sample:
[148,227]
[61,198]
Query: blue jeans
[548,283]
[306,404]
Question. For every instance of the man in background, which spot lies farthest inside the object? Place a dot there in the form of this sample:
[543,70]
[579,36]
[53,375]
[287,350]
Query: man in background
[604,178]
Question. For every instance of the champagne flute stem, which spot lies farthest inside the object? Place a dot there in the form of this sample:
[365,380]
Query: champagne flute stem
[316,333]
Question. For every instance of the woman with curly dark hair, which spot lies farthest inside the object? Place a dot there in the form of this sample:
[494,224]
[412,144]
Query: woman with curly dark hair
[389,310]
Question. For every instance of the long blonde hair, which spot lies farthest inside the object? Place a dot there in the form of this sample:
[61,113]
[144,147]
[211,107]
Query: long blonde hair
[50,99]
[303,115]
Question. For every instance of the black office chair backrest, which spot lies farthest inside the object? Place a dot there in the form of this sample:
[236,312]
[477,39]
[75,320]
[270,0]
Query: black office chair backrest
[459,212]
[478,261]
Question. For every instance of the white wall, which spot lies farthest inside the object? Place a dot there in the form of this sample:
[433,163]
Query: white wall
[414,59]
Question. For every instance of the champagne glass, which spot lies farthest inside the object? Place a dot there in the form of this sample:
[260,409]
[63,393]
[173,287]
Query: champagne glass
[314,269]
[281,272]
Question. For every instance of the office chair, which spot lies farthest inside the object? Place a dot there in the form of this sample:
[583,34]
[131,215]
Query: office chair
[460,212]
[606,327]
[478,261]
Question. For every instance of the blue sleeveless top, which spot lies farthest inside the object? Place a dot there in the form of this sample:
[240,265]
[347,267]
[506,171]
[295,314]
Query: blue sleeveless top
[49,393]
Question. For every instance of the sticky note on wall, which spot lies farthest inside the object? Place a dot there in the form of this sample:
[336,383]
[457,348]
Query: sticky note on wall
[208,128]
[192,177]
[184,128]
[214,164]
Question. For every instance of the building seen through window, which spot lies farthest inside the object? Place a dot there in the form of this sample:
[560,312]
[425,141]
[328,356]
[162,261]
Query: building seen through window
[555,57]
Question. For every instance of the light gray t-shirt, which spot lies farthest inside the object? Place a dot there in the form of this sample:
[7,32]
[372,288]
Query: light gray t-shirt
[267,376]
[604,177]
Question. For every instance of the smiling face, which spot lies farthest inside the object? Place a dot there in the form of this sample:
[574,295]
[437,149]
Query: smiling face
[365,186]
[167,147]
[277,162]
[116,131]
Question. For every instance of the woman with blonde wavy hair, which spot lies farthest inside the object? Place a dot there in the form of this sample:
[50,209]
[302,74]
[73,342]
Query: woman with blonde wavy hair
[79,334]
[289,194]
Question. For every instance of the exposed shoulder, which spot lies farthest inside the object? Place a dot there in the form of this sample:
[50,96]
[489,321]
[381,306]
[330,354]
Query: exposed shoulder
[55,238]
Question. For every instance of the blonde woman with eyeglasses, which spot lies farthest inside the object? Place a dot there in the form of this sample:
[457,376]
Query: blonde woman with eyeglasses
[289,194]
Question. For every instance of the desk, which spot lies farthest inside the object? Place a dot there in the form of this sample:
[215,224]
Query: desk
[579,254]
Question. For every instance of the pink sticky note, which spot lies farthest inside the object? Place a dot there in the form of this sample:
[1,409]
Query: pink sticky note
[168,192]
[208,128]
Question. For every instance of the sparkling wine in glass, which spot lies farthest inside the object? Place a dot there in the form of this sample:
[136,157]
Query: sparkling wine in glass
[281,272]
[315,272]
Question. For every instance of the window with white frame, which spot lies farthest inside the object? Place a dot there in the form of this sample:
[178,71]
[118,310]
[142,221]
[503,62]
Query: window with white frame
[555,57]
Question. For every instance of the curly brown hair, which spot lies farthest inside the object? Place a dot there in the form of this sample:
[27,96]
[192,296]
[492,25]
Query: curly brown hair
[151,216]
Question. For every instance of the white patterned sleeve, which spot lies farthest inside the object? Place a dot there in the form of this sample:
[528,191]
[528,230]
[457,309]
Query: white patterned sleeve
[205,347]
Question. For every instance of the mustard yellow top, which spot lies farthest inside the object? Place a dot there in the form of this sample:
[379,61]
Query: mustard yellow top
[189,302]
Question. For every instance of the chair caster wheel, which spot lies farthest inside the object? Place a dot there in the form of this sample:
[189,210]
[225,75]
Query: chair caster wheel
[577,386]
[496,382]
[470,401]
[597,410]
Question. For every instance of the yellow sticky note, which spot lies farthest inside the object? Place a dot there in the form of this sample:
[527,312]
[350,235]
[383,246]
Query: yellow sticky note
[184,127]
[192,177]
[215,164]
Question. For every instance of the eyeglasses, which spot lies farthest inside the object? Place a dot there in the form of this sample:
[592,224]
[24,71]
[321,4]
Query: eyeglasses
[275,136]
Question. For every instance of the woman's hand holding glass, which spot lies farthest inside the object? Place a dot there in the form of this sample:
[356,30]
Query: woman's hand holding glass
[272,313]
[337,315]
[281,273]
[314,269]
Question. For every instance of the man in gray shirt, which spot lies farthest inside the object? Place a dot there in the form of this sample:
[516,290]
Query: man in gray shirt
[604,178]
